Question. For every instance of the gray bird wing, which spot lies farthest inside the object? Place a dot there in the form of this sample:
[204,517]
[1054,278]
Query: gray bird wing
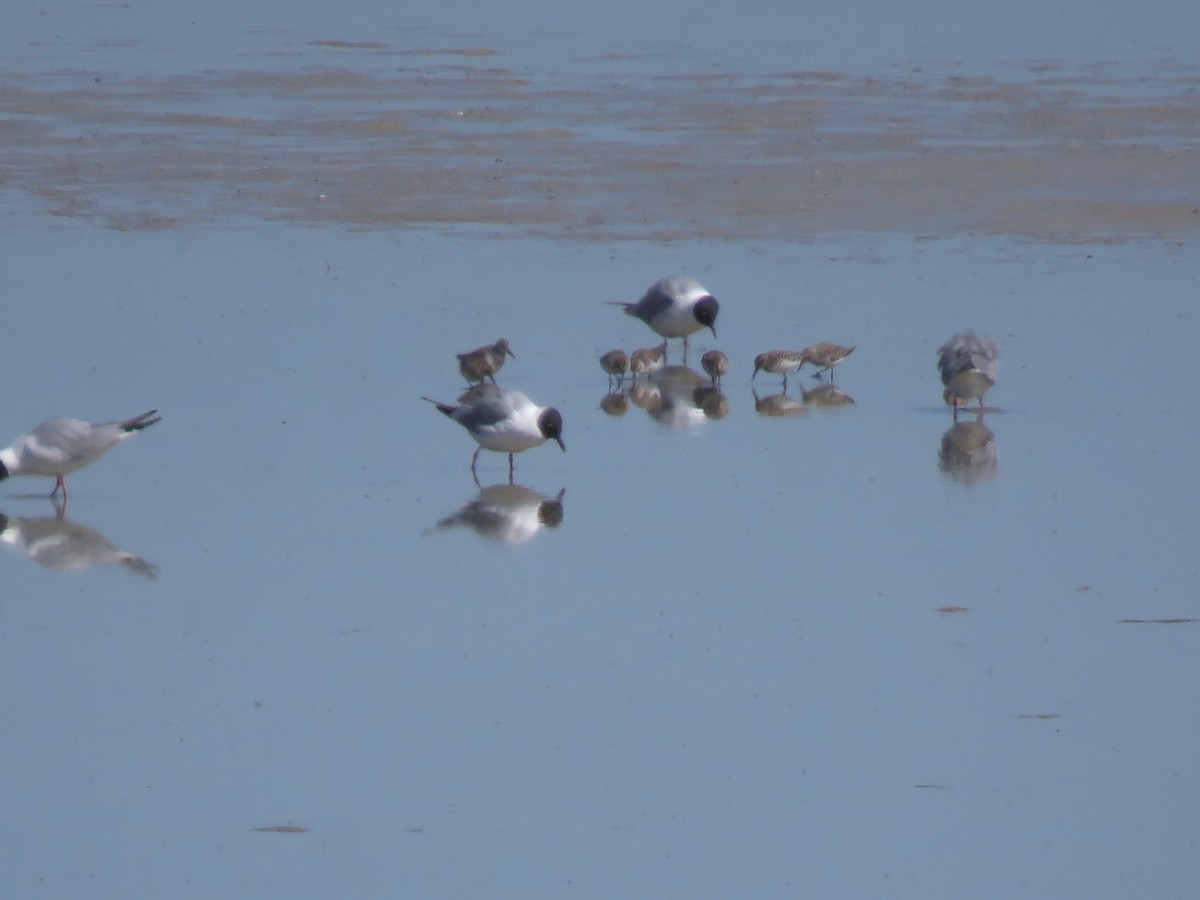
[968,351]
[654,302]
[487,411]
[74,439]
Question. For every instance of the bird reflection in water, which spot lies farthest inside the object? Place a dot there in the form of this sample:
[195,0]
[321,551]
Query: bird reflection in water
[615,403]
[674,396]
[968,452]
[675,405]
[711,402]
[826,396]
[507,513]
[777,405]
[61,545]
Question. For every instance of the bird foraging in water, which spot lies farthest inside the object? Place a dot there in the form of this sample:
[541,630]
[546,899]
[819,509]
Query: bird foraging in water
[824,356]
[484,362]
[778,362]
[675,308]
[645,360]
[60,446]
[967,363]
[614,363]
[506,422]
[715,364]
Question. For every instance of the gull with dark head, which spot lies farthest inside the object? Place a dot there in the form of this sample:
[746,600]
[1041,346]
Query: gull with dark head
[506,422]
[967,363]
[60,446]
[675,308]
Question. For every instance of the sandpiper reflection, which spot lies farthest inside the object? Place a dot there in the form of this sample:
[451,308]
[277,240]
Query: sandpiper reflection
[826,396]
[60,545]
[711,401]
[615,403]
[968,452]
[777,405]
[507,513]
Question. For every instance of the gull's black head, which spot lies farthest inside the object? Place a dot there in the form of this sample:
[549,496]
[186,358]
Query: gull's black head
[550,425]
[705,312]
[3,471]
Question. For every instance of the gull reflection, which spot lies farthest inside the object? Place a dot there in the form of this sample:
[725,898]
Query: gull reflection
[826,396]
[61,545]
[675,405]
[968,452]
[508,513]
[777,405]
[674,396]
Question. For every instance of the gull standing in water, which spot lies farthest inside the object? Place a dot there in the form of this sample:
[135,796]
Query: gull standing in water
[60,446]
[676,307]
[967,363]
[506,422]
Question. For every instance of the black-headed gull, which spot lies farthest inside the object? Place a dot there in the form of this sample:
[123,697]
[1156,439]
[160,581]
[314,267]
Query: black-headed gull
[60,446]
[506,422]
[676,307]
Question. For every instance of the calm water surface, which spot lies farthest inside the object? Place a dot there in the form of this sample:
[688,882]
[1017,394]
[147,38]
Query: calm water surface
[736,645]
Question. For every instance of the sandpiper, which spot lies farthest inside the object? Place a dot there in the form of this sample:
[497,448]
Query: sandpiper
[615,363]
[645,360]
[484,362]
[715,364]
[778,362]
[967,363]
[824,356]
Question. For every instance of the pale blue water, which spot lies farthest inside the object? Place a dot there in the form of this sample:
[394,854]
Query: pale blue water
[757,656]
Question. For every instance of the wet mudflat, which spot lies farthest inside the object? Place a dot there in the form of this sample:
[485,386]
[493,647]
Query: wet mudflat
[734,642]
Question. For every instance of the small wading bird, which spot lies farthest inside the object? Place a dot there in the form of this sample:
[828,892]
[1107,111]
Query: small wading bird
[506,422]
[484,362]
[967,363]
[715,364]
[676,307]
[614,363]
[778,362]
[645,360]
[60,446]
[824,356]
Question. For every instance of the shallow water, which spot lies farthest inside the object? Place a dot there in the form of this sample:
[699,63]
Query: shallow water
[722,646]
